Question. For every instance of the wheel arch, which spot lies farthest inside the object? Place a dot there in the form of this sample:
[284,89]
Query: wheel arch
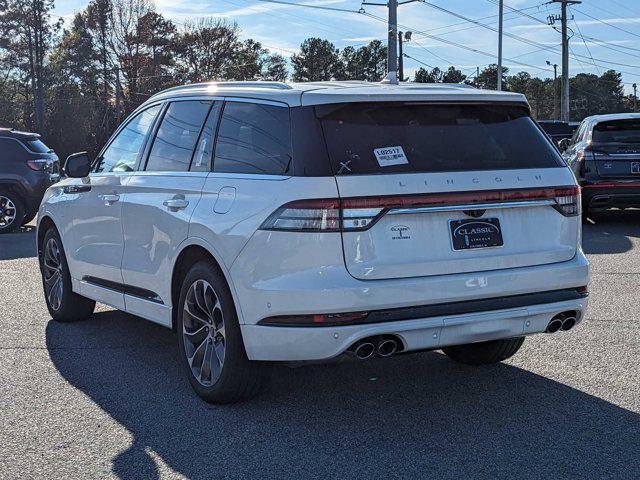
[44,223]
[191,251]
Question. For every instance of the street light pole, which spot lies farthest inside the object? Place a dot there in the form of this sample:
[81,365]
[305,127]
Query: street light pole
[400,59]
[635,97]
[500,15]
[555,89]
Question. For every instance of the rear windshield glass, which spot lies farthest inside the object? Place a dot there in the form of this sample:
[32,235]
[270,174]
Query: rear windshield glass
[622,131]
[36,146]
[408,138]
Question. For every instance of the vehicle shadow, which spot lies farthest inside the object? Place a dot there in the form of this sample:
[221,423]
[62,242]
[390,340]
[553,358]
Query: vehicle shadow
[412,416]
[610,232]
[19,244]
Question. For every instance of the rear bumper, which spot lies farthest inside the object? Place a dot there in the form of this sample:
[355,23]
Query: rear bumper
[334,290]
[324,343]
[604,196]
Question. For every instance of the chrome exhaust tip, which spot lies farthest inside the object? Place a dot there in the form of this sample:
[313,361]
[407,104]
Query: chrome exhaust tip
[568,323]
[554,325]
[365,350]
[387,348]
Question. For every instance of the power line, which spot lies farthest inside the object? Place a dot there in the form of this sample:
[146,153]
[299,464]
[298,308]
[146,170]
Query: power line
[607,23]
[319,7]
[518,37]
[459,45]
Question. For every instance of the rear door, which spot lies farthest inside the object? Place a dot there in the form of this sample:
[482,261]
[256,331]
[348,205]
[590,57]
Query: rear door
[161,197]
[443,189]
[615,146]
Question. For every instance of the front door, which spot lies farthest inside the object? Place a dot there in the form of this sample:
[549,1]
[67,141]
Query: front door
[95,239]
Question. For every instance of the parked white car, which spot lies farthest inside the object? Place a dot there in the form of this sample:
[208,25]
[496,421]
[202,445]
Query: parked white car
[272,222]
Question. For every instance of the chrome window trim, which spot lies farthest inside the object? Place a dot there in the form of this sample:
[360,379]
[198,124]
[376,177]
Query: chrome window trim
[258,101]
[249,176]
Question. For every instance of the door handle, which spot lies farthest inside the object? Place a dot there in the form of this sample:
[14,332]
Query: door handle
[175,204]
[110,199]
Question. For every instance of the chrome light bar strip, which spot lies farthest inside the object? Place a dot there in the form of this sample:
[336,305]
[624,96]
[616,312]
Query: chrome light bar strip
[472,206]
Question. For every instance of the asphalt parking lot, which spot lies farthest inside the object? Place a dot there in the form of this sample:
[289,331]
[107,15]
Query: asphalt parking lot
[105,397]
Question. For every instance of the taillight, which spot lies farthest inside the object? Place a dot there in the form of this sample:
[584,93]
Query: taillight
[43,165]
[360,213]
[568,201]
[322,215]
[38,165]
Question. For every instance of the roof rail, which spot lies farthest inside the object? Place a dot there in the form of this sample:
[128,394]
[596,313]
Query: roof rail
[249,84]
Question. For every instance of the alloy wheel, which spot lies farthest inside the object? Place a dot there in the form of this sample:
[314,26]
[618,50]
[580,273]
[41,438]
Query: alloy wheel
[203,333]
[52,272]
[7,211]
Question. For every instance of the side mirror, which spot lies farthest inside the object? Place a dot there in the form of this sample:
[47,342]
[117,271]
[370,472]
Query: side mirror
[564,144]
[78,165]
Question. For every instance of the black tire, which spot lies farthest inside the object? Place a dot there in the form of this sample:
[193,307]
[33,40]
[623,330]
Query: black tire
[484,353]
[71,306]
[17,211]
[234,379]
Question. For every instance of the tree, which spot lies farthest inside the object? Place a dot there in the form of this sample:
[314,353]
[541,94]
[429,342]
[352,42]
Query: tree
[488,77]
[28,32]
[318,60]
[205,48]
[425,76]
[274,68]
[98,15]
[453,75]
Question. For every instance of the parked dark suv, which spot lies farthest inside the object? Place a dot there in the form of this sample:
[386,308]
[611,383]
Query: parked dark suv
[604,154]
[27,168]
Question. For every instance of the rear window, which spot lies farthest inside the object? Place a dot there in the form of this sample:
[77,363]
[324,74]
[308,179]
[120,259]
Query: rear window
[36,146]
[618,131]
[411,138]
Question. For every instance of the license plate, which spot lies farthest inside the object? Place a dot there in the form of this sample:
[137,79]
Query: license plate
[635,167]
[475,233]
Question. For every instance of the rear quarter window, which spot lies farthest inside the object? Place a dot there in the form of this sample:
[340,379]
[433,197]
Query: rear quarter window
[412,138]
[36,146]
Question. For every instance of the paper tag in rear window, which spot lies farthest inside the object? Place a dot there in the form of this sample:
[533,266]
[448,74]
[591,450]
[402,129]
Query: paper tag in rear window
[390,156]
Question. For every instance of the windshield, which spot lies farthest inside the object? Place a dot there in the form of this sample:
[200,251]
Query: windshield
[617,131]
[413,137]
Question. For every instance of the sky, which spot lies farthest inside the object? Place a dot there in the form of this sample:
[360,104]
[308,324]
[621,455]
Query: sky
[606,32]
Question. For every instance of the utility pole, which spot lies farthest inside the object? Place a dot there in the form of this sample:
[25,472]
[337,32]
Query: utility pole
[500,15]
[635,97]
[564,105]
[555,89]
[392,45]
[392,54]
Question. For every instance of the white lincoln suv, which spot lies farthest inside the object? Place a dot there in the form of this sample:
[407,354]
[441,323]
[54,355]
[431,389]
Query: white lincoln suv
[271,222]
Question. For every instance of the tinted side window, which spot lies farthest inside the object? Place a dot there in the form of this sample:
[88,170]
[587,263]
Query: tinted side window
[253,138]
[10,150]
[122,153]
[203,155]
[177,136]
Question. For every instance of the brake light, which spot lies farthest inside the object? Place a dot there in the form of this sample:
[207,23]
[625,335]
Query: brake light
[568,201]
[322,215]
[360,213]
[38,165]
